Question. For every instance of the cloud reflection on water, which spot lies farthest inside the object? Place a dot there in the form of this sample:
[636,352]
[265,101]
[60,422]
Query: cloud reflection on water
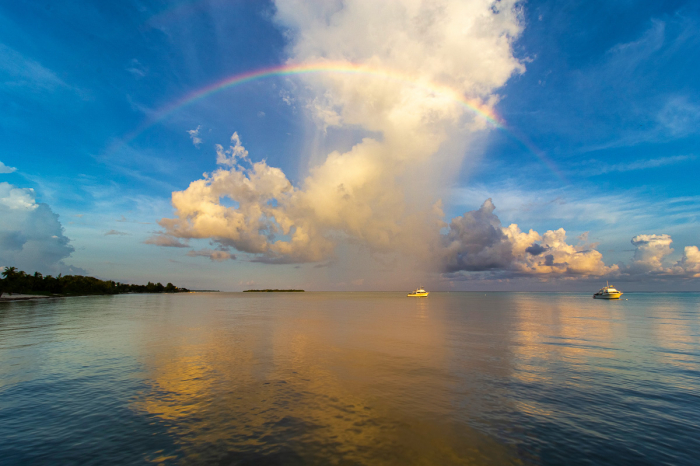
[496,378]
[308,379]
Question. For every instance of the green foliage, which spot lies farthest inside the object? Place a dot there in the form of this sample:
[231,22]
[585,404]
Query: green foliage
[14,281]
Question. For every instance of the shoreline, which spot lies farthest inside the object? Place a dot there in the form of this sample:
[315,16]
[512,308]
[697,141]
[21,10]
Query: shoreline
[25,297]
[29,297]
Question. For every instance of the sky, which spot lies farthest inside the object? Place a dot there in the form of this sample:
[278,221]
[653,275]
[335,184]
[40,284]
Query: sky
[353,145]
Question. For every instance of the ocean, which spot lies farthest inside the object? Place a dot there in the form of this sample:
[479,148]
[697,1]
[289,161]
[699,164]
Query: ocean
[351,378]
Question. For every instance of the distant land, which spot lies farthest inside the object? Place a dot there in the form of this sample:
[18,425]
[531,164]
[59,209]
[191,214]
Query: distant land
[273,291]
[20,282]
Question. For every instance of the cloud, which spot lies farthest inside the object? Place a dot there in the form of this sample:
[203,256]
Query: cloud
[286,97]
[137,69]
[477,242]
[632,78]
[536,249]
[235,152]
[5,169]
[651,258]
[561,258]
[212,254]
[382,195]
[115,233]
[601,167]
[31,236]
[323,265]
[16,199]
[612,214]
[680,117]
[379,194]
[20,72]
[650,251]
[194,135]
[165,241]
[690,263]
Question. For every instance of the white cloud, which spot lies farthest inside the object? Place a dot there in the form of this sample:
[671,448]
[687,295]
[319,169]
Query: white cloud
[603,167]
[680,116]
[31,236]
[380,193]
[690,263]
[19,71]
[5,169]
[616,214]
[137,69]
[286,97]
[16,199]
[551,254]
[650,252]
[194,135]
[651,258]
[235,152]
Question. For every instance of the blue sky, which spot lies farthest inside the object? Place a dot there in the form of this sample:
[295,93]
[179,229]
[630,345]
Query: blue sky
[607,91]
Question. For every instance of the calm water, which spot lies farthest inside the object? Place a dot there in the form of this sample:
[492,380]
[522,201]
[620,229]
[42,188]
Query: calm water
[351,378]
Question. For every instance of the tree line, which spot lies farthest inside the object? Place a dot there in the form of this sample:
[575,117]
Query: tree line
[14,281]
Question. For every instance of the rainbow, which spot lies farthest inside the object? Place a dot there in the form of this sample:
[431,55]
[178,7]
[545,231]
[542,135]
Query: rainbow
[473,106]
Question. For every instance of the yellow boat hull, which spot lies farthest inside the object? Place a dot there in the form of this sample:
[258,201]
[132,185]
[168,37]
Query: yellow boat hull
[608,296]
[418,295]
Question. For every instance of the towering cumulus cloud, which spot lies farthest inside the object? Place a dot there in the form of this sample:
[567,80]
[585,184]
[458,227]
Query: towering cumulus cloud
[477,242]
[420,78]
[31,237]
[651,252]
[381,194]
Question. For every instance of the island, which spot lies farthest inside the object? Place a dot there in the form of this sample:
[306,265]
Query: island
[37,285]
[273,291]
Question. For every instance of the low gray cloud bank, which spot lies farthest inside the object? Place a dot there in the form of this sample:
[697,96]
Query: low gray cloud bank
[165,241]
[476,242]
[214,255]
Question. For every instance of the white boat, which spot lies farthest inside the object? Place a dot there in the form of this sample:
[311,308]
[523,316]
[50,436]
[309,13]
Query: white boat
[608,292]
[419,293]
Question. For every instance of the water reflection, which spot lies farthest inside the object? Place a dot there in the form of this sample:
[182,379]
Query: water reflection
[331,378]
[323,378]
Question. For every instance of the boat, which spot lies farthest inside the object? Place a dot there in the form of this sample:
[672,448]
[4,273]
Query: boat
[419,293]
[608,292]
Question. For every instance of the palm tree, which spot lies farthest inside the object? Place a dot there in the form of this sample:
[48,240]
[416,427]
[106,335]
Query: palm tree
[9,273]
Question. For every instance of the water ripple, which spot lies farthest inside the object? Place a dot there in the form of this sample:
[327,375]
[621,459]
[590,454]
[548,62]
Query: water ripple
[351,378]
